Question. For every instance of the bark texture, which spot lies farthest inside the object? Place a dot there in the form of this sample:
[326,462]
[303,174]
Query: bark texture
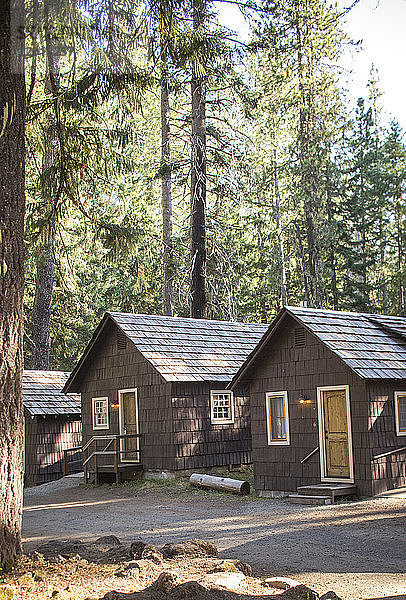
[12,205]
[198,179]
[45,268]
[284,292]
[167,246]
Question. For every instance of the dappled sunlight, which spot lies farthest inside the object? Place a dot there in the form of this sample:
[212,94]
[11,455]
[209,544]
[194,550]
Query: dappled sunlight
[67,505]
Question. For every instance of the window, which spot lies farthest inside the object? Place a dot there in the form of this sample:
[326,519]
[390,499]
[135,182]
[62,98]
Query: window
[400,412]
[277,418]
[100,413]
[222,407]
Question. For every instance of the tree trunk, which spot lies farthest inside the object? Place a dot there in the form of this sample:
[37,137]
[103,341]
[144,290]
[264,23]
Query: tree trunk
[167,245]
[44,281]
[198,179]
[284,294]
[308,175]
[12,206]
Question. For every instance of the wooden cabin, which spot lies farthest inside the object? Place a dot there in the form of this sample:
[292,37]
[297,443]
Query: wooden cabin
[52,425]
[328,403]
[154,395]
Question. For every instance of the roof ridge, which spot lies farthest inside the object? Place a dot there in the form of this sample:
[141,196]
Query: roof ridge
[191,319]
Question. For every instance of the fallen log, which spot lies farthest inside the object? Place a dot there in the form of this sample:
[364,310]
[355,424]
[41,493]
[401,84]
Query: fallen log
[224,484]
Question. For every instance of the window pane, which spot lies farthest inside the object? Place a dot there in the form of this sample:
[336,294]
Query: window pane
[277,413]
[221,407]
[100,413]
[402,413]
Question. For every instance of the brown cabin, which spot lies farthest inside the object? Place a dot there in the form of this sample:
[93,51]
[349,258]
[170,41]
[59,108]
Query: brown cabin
[52,426]
[328,402]
[154,395]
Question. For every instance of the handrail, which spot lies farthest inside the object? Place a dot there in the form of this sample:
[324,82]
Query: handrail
[309,455]
[65,467]
[110,438]
[389,453]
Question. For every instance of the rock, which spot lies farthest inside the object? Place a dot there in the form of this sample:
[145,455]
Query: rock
[166,581]
[192,548]
[225,566]
[243,567]
[105,543]
[299,592]
[330,596]
[233,582]
[281,583]
[137,548]
[116,554]
[113,595]
[64,548]
[151,553]
[192,590]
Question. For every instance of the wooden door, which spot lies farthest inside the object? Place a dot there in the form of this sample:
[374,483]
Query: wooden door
[129,426]
[336,434]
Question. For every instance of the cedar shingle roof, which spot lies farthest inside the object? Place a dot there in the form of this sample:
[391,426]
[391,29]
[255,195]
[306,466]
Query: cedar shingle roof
[372,346]
[42,394]
[182,349]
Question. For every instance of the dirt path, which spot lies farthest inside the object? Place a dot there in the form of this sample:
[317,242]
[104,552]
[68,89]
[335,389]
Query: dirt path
[357,549]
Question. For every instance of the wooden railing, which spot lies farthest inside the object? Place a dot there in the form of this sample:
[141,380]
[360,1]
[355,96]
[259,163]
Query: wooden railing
[389,453]
[306,458]
[100,446]
[67,456]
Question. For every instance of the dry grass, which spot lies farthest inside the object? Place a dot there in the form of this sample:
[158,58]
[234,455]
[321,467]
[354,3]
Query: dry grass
[36,578]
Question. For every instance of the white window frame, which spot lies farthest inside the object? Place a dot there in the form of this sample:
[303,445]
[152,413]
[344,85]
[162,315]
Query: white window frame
[272,442]
[217,421]
[397,419]
[101,399]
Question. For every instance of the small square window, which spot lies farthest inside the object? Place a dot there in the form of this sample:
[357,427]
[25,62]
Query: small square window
[277,417]
[222,407]
[100,413]
[400,412]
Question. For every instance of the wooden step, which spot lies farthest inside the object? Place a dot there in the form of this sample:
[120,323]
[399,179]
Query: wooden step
[333,490]
[306,499]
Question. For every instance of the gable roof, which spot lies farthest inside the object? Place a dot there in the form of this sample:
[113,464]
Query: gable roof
[372,346]
[182,349]
[42,394]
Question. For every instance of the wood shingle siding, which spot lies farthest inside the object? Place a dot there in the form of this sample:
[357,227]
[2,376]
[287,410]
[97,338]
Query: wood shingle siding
[52,424]
[339,351]
[173,364]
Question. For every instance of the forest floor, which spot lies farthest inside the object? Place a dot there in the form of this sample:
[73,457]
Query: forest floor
[357,549]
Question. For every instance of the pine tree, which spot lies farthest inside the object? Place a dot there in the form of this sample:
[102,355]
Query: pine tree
[12,163]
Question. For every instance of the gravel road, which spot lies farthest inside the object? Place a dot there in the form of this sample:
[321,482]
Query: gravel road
[358,549]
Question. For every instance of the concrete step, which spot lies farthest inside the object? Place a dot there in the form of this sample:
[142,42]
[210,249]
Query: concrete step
[333,490]
[305,499]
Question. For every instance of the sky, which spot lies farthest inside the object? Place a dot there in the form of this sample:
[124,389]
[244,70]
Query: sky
[381,27]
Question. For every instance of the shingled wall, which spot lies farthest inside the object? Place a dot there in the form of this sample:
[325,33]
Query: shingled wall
[110,369]
[200,444]
[299,371]
[45,439]
[389,471]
